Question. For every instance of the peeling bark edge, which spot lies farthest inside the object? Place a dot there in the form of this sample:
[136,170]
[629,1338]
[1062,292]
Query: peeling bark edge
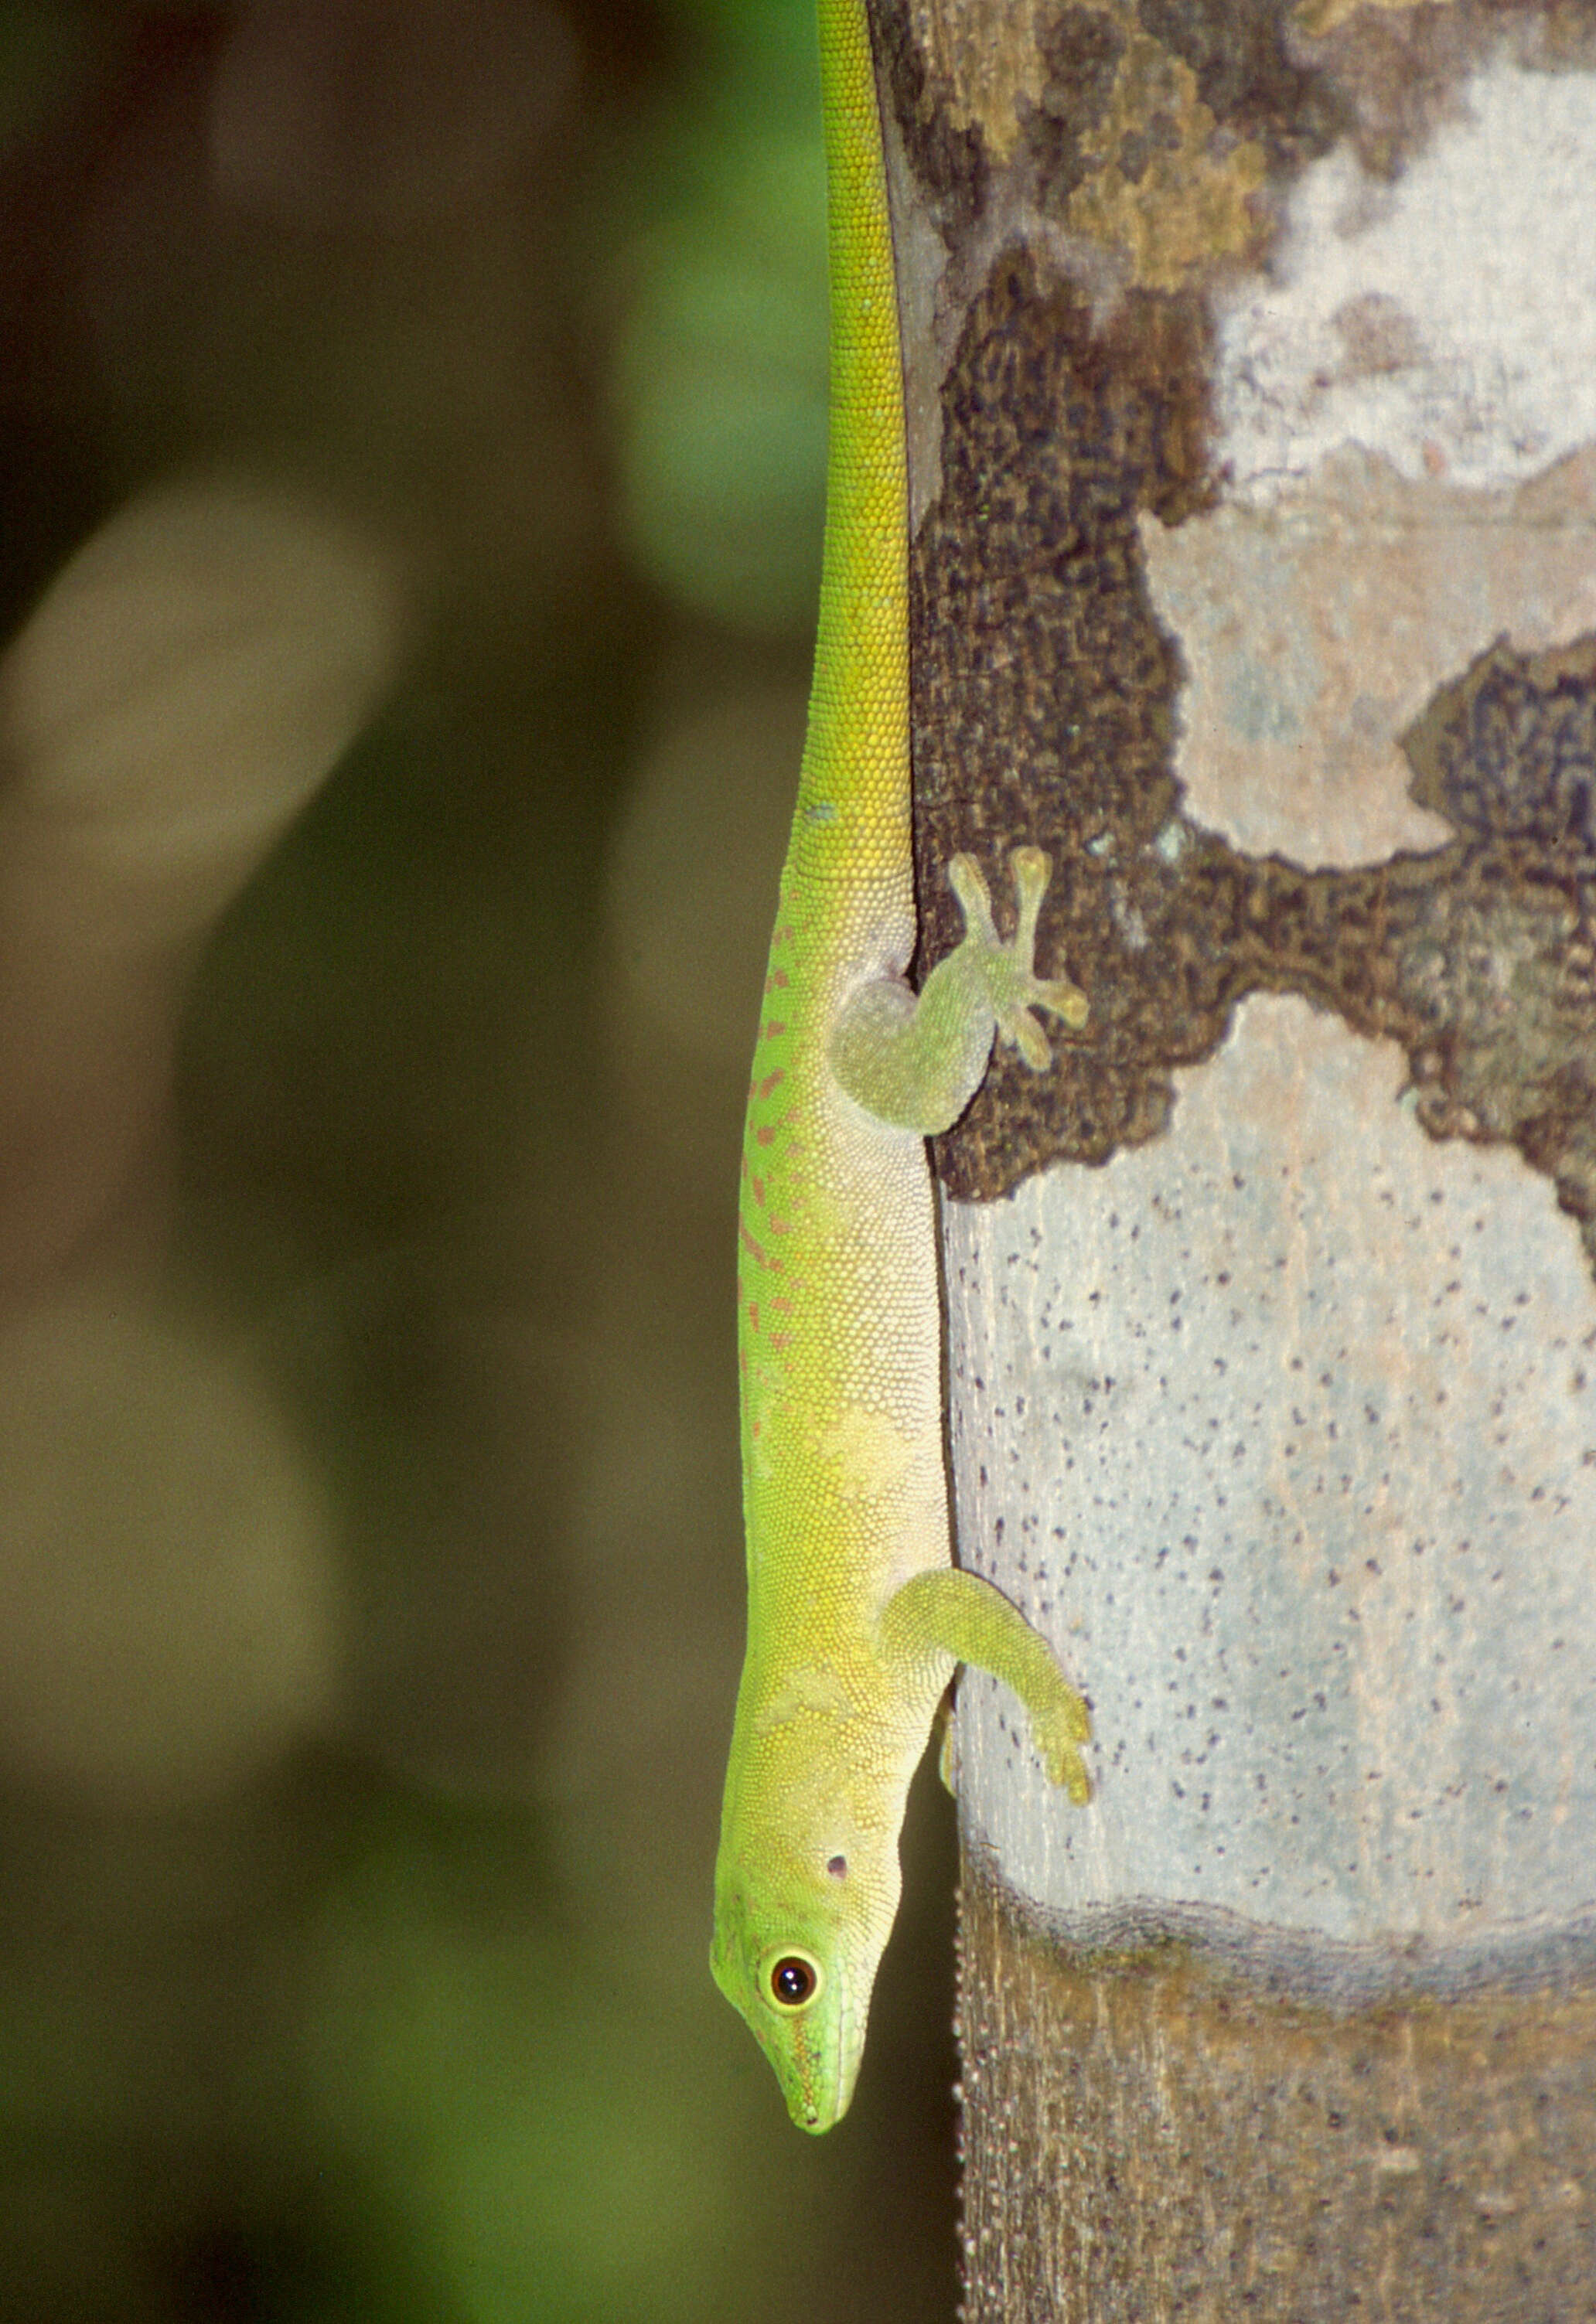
[1238,1956]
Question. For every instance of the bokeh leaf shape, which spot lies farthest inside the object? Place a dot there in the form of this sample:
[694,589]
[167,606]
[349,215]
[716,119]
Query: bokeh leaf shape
[719,386]
[184,685]
[170,1610]
[471,2078]
[46,47]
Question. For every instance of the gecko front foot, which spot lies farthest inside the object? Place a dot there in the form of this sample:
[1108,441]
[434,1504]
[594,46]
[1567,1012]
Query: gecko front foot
[1008,971]
[1058,1730]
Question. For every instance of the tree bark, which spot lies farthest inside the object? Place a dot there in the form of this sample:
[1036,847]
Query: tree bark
[1252,392]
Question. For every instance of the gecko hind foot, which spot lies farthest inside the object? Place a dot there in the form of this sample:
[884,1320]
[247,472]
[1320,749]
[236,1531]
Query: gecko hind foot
[1013,987]
[1058,1733]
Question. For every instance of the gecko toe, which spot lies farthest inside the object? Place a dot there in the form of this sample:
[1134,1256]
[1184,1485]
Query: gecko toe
[1030,1039]
[1063,999]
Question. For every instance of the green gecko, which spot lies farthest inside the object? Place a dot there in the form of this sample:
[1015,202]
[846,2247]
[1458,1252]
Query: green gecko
[856,1613]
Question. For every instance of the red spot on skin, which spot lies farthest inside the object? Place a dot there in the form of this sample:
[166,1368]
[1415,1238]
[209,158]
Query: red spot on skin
[783,1306]
[771,1081]
[753,1313]
[775,980]
[759,1192]
[780,1226]
[763,1135]
[774,1029]
[779,1341]
[754,1251]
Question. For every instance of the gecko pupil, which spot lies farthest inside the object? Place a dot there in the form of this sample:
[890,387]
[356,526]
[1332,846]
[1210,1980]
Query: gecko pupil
[792,1982]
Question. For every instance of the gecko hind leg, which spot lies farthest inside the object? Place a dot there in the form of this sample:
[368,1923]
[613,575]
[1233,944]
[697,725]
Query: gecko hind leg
[1008,970]
[915,1062]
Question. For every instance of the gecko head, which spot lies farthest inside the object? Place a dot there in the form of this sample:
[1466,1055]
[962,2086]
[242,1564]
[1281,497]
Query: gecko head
[795,1950]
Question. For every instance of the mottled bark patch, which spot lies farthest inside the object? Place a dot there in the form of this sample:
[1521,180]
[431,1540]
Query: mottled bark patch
[1399,67]
[1503,969]
[1046,696]
[1047,692]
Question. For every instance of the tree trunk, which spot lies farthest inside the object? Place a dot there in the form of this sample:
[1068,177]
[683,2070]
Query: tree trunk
[1252,385]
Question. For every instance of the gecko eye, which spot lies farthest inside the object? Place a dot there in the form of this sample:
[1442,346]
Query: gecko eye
[837,1866]
[794,1980]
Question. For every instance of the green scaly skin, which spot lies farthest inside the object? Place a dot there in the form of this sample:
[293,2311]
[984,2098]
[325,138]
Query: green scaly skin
[856,1616]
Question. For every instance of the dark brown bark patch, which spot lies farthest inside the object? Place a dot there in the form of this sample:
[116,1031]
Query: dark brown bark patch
[1228,2125]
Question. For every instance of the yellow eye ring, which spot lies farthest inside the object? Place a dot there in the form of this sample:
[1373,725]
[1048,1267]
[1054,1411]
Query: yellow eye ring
[793,1981]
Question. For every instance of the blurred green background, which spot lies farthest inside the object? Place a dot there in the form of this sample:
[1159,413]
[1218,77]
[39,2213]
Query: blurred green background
[370,1556]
